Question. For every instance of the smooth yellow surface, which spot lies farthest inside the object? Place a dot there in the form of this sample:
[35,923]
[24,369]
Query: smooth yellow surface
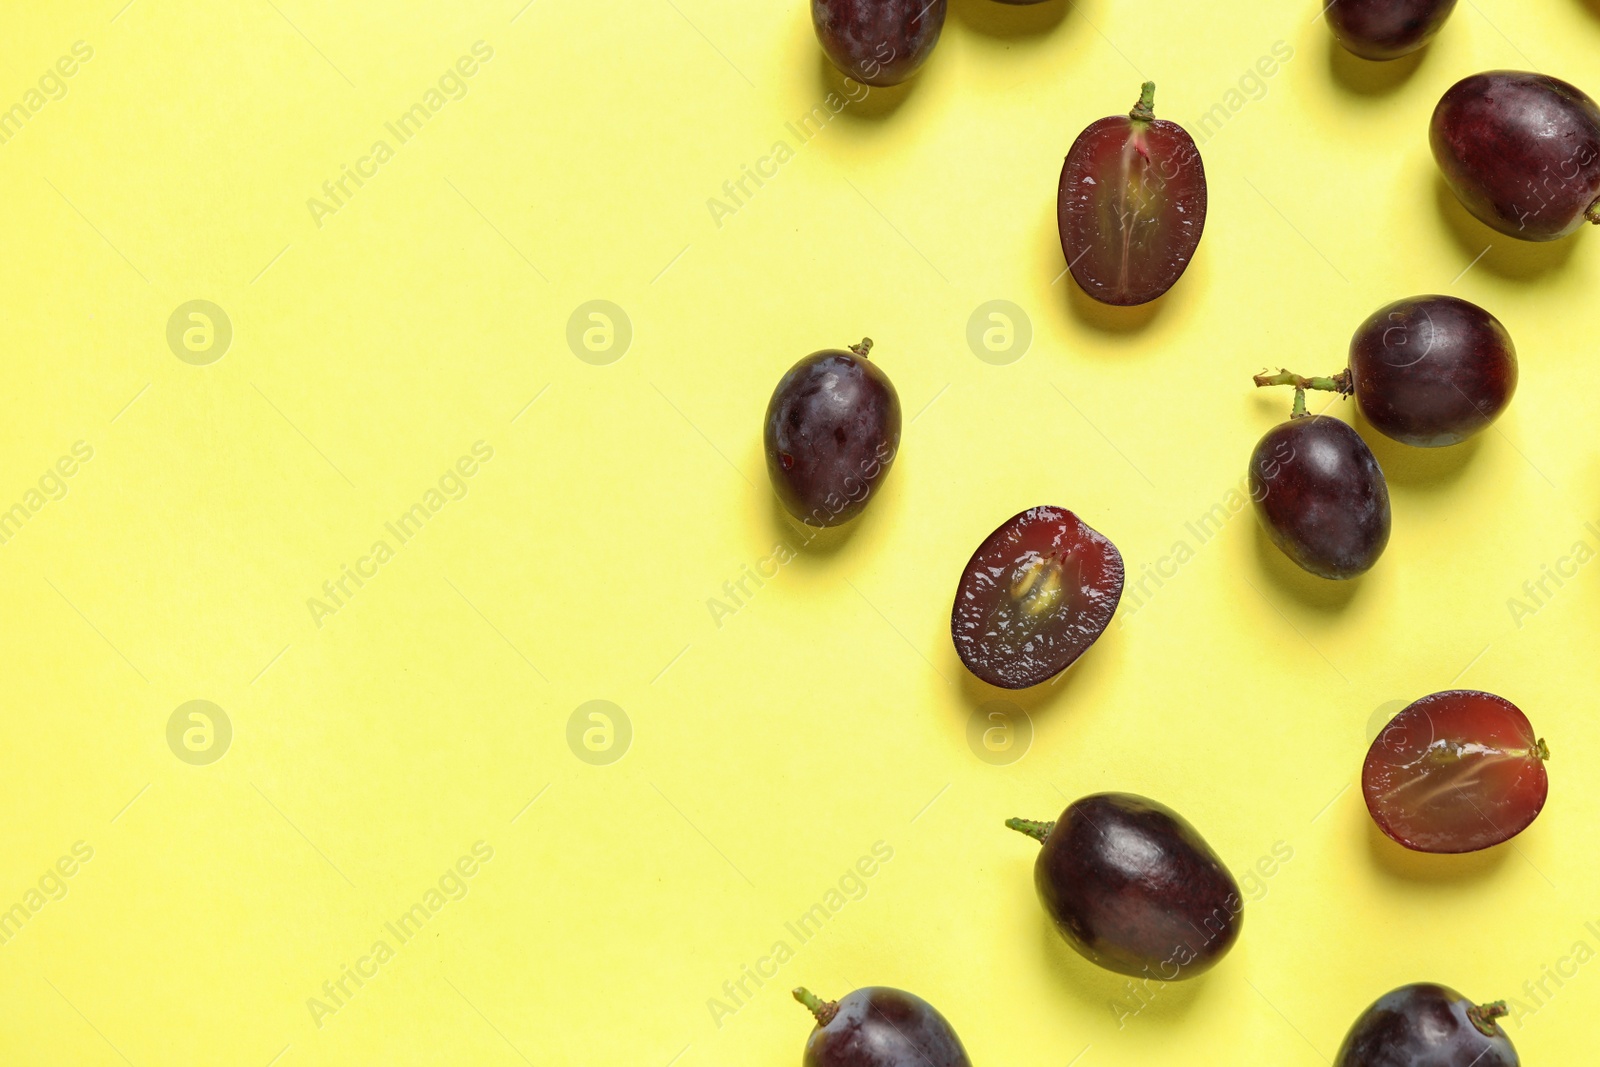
[776,738]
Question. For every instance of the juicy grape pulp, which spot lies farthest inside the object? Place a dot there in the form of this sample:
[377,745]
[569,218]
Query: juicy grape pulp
[1131,206]
[1456,772]
[1035,595]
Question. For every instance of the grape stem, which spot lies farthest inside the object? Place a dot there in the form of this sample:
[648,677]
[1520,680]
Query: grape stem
[1541,750]
[824,1010]
[863,348]
[1483,1016]
[1593,214]
[1145,109]
[1339,383]
[1036,830]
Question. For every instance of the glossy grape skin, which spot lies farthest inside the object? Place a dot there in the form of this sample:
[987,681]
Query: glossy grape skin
[1131,206]
[882,1027]
[1432,370]
[1427,1025]
[879,42]
[1134,888]
[1321,496]
[1456,771]
[1035,595]
[1386,29]
[832,431]
[1521,151]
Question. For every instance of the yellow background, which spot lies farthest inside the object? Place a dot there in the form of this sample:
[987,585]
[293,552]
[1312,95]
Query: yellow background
[827,713]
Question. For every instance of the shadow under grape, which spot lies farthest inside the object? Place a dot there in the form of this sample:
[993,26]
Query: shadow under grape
[1365,77]
[1504,256]
[996,18]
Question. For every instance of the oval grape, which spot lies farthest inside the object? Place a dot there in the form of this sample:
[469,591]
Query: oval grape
[1134,888]
[880,1027]
[879,42]
[1456,771]
[832,431]
[1432,370]
[1131,205]
[1521,151]
[1321,496]
[1035,595]
[1427,1025]
[1386,29]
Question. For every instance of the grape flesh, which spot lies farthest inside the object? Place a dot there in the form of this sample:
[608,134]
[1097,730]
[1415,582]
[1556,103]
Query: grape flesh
[879,42]
[1432,370]
[1134,888]
[1386,29]
[1521,151]
[1456,771]
[1427,1025]
[1321,496]
[1035,595]
[1131,205]
[832,431]
[880,1027]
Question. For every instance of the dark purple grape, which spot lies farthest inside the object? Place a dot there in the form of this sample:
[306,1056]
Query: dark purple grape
[832,432]
[879,42]
[1426,371]
[1386,29]
[1432,370]
[1521,151]
[1320,494]
[1427,1025]
[1131,205]
[1035,595]
[880,1027]
[1135,888]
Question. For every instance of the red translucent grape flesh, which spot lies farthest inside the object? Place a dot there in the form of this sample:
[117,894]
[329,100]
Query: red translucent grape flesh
[1456,771]
[1035,595]
[1131,205]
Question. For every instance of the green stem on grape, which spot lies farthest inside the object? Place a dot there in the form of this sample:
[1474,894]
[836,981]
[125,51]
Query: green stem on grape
[1339,383]
[1541,749]
[1145,109]
[863,348]
[824,1010]
[1483,1016]
[1036,830]
[1593,213]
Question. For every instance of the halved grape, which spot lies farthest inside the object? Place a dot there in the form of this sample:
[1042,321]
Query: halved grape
[1035,595]
[1131,205]
[1456,771]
